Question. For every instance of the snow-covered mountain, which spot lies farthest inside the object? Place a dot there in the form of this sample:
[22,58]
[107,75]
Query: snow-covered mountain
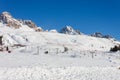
[100,35]
[74,42]
[23,32]
[35,54]
[70,30]
[7,19]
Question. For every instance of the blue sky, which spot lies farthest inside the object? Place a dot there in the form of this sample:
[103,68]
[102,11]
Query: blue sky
[88,16]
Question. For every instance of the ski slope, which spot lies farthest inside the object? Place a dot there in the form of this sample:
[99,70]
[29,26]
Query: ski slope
[20,65]
[75,42]
[87,58]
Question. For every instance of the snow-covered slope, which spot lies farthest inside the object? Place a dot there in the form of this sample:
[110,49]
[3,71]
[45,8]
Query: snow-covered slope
[73,42]
[25,64]
[26,35]
[55,56]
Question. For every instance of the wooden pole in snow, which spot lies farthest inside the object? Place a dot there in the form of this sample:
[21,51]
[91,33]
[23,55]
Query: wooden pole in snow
[1,40]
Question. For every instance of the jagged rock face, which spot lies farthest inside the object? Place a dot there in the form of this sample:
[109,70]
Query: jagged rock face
[107,36]
[6,18]
[100,35]
[70,30]
[32,25]
[97,34]
[29,23]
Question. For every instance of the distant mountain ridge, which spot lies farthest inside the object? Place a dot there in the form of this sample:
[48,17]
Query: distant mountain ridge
[7,19]
[100,35]
[17,32]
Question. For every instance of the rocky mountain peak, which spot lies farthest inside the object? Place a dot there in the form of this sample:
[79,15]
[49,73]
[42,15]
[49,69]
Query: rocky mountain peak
[6,18]
[6,15]
[29,23]
[70,30]
[100,35]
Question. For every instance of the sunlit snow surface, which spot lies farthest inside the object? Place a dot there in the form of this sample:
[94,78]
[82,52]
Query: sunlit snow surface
[67,66]
[87,58]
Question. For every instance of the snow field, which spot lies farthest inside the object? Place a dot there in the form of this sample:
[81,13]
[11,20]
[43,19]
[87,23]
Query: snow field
[66,73]
[75,42]
[87,58]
